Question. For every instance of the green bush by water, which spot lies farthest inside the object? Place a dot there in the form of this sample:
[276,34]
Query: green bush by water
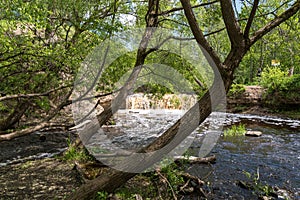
[235,130]
[257,186]
[281,88]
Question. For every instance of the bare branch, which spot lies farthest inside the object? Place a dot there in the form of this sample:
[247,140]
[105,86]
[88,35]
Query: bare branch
[91,87]
[25,131]
[164,41]
[214,32]
[174,21]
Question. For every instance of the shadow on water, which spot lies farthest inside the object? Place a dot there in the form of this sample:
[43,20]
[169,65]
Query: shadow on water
[276,153]
[37,145]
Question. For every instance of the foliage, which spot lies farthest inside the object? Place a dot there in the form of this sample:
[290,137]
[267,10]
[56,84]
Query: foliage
[235,130]
[102,196]
[76,154]
[257,185]
[43,44]
[281,88]
[172,174]
[273,79]
[281,44]
[236,90]
[118,70]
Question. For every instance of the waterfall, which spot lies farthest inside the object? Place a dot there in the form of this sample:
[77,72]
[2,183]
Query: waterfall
[167,101]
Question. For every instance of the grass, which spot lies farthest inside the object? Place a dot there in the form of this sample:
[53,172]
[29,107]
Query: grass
[162,183]
[235,130]
[257,186]
[75,153]
[27,164]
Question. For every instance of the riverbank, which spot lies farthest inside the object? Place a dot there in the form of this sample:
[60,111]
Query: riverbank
[47,178]
[250,100]
[263,111]
[274,153]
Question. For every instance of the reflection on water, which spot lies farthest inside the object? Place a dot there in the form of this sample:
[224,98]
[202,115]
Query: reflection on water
[276,153]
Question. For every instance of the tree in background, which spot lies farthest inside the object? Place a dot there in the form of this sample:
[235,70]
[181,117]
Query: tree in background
[42,46]
[44,42]
[241,38]
[279,48]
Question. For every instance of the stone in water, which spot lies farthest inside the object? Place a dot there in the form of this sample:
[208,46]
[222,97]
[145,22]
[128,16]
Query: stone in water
[253,133]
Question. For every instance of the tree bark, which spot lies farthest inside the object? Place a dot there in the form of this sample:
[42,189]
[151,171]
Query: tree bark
[199,112]
[15,116]
[187,124]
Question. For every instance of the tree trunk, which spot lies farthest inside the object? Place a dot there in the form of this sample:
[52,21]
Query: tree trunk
[201,110]
[15,116]
[187,124]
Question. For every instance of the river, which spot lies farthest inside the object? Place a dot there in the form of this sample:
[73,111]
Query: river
[275,155]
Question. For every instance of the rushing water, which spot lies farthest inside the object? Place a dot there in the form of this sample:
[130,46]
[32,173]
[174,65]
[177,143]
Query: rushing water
[276,154]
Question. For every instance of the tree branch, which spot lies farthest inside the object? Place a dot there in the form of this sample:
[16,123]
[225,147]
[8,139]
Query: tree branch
[197,32]
[181,8]
[12,56]
[232,25]
[16,96]
[265,14]
[173,21]
[164,41]
[275,22]
[214,32]
[251,18]
[43,123]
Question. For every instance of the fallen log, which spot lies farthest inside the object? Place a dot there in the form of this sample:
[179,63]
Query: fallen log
[196,160]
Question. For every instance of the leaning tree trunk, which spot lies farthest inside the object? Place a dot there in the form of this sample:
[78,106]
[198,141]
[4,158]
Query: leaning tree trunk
[15,116]
[188,123]
[240,44]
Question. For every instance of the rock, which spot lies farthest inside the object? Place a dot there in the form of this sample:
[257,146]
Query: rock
[253,133]
[138,197]
[43,138]
[52,188]
[283,194]
[22,187]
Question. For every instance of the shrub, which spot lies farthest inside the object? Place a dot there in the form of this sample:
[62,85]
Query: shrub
[235,130]
[273,78]
[236,90]
[281,89]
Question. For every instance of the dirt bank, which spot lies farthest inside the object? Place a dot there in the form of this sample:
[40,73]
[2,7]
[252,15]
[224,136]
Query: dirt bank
[48,178]
[251,101]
